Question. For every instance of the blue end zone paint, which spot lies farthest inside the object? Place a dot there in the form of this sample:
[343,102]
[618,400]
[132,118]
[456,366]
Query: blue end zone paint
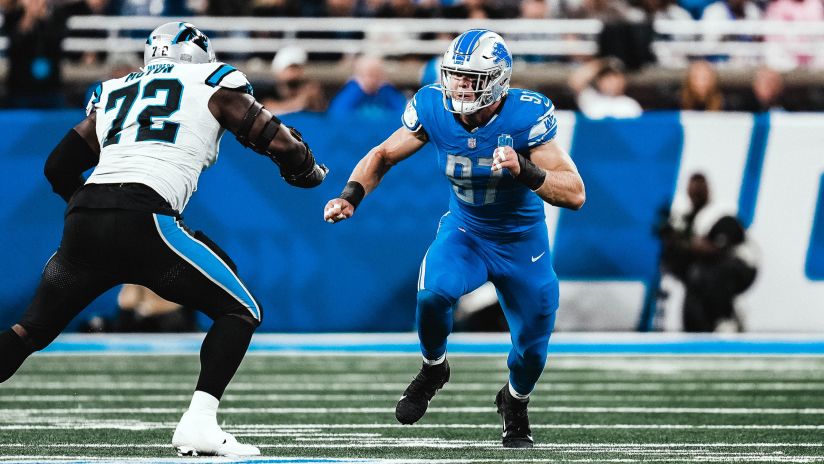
[642,345]
[748,197]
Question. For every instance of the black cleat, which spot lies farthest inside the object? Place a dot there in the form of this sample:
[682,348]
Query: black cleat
[419,393]
[516,433]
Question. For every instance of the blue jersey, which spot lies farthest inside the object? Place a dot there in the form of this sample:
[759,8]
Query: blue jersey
[489,203]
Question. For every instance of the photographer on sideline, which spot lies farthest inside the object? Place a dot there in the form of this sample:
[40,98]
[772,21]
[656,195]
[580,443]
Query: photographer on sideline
[707,250]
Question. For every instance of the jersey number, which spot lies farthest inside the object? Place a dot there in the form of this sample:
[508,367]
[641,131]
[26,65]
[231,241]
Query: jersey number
[459,169]
[167,132]
[525,97]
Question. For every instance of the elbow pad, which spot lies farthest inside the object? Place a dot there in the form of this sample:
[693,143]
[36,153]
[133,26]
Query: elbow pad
[261,143]
[306,174]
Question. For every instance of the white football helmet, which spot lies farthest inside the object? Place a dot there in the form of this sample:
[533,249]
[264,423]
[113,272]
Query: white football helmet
[483,58]
[180,42]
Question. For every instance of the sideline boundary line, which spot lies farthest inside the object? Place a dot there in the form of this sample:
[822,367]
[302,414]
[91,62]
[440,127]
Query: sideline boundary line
[477,344]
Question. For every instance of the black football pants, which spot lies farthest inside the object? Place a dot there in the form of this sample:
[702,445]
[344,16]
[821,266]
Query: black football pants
[102,248]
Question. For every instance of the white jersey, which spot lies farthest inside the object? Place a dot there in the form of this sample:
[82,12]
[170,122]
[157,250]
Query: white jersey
[155,127]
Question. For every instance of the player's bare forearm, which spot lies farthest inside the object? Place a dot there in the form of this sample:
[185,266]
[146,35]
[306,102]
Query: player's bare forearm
[563,188]
[548,171]
[370,170]
[397,147]
[562,185]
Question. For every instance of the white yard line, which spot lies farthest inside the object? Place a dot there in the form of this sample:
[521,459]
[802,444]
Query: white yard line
[465,376]
[304,460]
[473,443]
[552,398]
[296,429]
[547,387]
[460,410]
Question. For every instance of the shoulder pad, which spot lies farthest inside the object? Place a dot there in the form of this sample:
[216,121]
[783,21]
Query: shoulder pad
[539,114]
[410,116]
[91,106]
[420,103]
[227,76]
[431,91]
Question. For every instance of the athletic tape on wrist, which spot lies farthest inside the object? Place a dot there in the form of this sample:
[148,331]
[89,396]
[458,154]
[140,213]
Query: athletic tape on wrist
[531,175]
[353,193]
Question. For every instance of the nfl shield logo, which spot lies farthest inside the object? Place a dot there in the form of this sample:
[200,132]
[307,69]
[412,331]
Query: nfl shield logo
[471,143]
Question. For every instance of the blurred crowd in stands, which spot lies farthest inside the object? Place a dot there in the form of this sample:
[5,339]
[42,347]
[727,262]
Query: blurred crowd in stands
[599,87]
[605,10]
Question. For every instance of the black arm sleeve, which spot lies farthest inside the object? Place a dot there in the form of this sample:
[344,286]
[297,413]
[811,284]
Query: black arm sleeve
[299,168]
[67,162]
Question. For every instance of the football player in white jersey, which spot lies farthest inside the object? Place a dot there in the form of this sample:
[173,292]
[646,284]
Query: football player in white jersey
[150,134]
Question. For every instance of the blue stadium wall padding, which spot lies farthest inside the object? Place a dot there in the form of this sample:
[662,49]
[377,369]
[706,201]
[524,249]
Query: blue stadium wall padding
[307,274]
[359,275]
[630,168]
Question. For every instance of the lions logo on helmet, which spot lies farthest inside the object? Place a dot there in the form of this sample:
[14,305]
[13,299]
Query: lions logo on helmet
[180,42]
[475,71]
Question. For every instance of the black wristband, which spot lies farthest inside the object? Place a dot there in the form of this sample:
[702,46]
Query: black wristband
[531,175]
[353,193]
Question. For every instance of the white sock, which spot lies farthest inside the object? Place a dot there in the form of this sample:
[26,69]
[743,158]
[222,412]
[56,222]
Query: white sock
[434,362]
[517,395]
[205,403]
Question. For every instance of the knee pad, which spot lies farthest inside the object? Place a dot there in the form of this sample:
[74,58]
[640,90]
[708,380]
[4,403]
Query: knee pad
[431,301]
[247,318]
[535,356]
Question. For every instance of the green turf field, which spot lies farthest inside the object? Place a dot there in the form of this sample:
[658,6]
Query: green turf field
[586,409]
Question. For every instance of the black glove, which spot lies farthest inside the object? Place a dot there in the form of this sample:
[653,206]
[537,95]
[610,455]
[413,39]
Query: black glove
[309,178]
[309,174]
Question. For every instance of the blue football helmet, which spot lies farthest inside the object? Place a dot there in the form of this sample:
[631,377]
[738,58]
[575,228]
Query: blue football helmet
[482,57]
[180,42]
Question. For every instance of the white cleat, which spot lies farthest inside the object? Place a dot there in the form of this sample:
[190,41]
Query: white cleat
[199,435]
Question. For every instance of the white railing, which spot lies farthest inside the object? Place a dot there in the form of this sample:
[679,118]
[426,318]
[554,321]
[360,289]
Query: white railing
[752,41]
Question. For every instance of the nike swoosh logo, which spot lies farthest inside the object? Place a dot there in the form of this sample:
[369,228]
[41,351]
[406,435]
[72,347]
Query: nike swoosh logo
[536,258]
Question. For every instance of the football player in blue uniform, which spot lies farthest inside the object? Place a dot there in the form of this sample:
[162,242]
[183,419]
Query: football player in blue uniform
[496,146]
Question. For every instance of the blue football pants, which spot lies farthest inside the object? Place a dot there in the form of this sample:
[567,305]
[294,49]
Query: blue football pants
[459,261]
